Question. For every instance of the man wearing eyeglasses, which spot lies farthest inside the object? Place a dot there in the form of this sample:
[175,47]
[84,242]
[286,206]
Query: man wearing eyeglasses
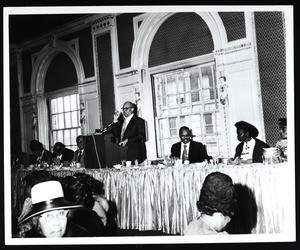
[130,130]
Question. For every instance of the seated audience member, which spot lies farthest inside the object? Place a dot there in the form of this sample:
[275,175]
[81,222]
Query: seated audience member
[281,145]
[216,205]
[61,154]
[39,153]
[31,179]
[18,158]
[104,208]
[78,192]
[79,154]
[188,149]
[250,149]
[49,213]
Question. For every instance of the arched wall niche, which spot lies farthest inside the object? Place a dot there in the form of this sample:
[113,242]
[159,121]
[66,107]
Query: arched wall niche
[39,71]
[140,60]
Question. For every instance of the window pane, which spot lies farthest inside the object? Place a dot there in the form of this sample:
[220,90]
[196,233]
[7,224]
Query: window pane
[54,121]
[173,126]
[195,96]
[74,103]
[68,120]
[74,119]
[194,80]
[54,137]
[67,103]
[60,105]
[60,121]
[53,104]
[171,87]
[60,136]
[173,100]
[67,138]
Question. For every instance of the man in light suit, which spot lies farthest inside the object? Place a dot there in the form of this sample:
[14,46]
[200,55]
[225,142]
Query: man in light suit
[188,149]
[130,130]
[79,154]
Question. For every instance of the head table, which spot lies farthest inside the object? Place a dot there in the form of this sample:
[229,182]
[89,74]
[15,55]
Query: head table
[164,198]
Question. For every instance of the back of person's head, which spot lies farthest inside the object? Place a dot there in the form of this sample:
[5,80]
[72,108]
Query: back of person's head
[76,191]
[95,185]
[217,195]
[36,146]
[38,176]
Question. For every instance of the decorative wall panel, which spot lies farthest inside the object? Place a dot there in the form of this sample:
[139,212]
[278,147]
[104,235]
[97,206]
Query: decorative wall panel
[125,38]
[181,36]
[85,49]
[106,80]
[26,69]
[234,23]
[272,69]
[14,107]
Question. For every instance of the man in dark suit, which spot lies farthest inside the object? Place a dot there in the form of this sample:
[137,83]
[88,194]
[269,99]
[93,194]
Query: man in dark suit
[130,130]
[79,154]
[39,153]
[188,149]
[61,154]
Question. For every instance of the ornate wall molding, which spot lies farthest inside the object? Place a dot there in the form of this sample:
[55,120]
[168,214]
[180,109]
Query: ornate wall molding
[233,49]
[126,74]
[102,23]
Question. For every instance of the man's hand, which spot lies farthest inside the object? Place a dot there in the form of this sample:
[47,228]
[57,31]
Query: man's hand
[116,115]
[123,143]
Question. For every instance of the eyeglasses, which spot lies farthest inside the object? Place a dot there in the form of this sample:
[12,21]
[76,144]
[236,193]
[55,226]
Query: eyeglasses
[126,108]
[49,217]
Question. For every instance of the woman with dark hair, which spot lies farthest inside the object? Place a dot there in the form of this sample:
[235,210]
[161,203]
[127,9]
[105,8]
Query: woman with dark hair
[78,192]
[250,149]
[216,205]
[104,208]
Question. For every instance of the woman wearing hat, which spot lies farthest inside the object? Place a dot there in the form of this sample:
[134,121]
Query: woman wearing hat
[250,149]
[49,213]
[216,205]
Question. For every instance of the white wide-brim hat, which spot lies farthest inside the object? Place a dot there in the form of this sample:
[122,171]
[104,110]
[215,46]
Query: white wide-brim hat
[47,196]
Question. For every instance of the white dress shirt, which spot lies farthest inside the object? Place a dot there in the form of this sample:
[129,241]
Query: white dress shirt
[182,148]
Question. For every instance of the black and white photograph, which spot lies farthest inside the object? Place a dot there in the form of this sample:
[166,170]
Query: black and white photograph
[149,124]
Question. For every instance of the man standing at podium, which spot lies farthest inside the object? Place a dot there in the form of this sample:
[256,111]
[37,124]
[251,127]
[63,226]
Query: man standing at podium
[130,130]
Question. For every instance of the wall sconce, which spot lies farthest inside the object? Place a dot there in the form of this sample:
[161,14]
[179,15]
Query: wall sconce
[223,89]
[82,113]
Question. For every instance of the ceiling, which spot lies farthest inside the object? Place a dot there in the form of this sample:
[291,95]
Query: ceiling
[26,27]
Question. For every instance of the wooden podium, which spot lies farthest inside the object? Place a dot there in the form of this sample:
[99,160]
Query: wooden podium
[101,151]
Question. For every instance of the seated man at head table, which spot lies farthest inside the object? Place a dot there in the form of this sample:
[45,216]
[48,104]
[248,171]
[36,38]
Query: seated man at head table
[217,204]
[250,150]
[188,149]
[61,154]
[281,145]
[39,153]
[79,154]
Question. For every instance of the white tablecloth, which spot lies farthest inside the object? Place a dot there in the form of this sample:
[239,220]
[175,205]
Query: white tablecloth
[165,199]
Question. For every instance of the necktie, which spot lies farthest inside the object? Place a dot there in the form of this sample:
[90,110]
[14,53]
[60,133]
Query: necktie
[123,130]
[184,153]
[79,155]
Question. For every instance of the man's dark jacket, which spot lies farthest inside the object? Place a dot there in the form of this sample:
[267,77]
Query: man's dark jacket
[136,134]
[66,156]
[197,151]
